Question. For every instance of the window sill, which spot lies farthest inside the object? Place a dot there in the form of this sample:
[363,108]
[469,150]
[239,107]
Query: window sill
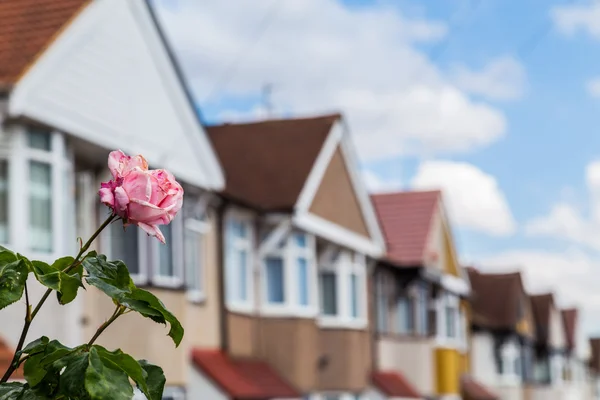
[270,310]
[240,308]
[196,297]
[339,323]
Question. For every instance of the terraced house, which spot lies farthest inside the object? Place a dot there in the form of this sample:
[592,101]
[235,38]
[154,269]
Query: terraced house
[419,290]
[77,80]
[503,333]
[299,233]
[578,382]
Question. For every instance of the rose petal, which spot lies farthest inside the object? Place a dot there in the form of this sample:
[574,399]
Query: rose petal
[152,230]
[107,197]
[116,163]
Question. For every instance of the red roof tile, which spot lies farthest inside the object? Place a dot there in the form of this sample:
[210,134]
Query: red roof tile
[541,306]
[242,379]
[6,356]
[405,218]
[27,27]
[570,320]
[394,384]
[473,390]
[266,163]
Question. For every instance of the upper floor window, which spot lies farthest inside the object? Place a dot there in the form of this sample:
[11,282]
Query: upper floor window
[448,319]
[382,304]
[343,290]
[288,274]
[195,229]
[238,260]
[404,315]
[422,309]
[510,365]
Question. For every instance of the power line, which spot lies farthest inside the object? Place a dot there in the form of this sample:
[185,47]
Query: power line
[232,69]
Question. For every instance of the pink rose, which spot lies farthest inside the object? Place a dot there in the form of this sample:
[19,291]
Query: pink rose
[147,198]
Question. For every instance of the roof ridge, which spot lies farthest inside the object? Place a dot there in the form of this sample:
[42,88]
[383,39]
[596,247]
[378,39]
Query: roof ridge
[337,115]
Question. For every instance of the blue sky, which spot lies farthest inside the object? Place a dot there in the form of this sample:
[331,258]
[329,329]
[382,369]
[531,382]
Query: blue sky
[510,149]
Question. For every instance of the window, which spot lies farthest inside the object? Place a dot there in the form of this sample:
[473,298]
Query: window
[173,393]
[40,206]
[382,304]
[124,246]
[422,314]
[328,292]
[39,139]
[238,260]
[404,315]
[448,319]
[343,290]
[509,366]
[3,201]
[275,280]
[194,236]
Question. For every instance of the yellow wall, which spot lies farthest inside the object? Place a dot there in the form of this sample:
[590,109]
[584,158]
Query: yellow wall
[448,365]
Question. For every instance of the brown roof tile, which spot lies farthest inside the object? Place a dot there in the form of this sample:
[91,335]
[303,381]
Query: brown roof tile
[496,297]
[541,305]
[27,27]
[473,390]
[394,384]
[405,219]
[242,379]
[569,317]
[267,163]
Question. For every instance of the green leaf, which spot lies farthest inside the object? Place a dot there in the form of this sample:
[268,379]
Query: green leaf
[53,277]
[72,379]
[11,390]
[38,365]
[119,360]
[103,382]
[112,277]
[13,275]
[36,346]
[155,380]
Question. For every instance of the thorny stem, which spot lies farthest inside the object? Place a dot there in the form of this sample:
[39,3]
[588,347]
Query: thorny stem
[29,316]
[120,310]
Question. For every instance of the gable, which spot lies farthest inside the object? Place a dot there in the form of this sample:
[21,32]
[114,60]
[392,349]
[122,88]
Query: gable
[110,79]
[557,331]
[335,199]
[525,323]
[440,252]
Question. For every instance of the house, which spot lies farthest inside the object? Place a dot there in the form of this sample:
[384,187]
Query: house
[298,235]
[550,350]
[594,367]
[78,79]
[419,291]
[578,383]
[502,339]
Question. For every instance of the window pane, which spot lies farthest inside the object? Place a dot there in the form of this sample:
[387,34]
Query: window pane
[3,201]
[275,280]
[165,259]
[300,240]
[238,228]
[450,322]
[124,246]
[382,309]
[354,293]
[40,206]
[193,245]
[303,290]
[422,313]
[242,265]
[328,293]
[39,139]
[404,315]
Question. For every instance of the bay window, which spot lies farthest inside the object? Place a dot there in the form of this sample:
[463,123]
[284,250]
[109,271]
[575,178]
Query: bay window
[422,310]
[404,315]
[382,304]
[288,276]
[343,290]
[238,260]
[510,367]
[448,319]
[194,243]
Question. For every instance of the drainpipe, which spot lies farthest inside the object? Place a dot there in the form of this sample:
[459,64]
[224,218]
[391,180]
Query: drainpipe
[224,326]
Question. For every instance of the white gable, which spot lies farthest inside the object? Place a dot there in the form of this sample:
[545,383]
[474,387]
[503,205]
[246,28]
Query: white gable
[108,78]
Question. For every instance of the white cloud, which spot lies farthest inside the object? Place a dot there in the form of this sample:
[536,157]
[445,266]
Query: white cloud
[377,184]
[321,56]
[569,19]
[566,222]
[593,87]
[571,275]
[501,79]
[473,197]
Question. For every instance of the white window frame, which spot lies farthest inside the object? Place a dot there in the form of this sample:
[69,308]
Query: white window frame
[342,396]
[442,337]
[289,253]
[248,245]
[175,392]
[509,354]
[176,280]
[199,227]
[346,264]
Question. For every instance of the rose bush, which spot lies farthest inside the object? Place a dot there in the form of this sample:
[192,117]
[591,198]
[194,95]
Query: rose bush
[147,198]
[135,195]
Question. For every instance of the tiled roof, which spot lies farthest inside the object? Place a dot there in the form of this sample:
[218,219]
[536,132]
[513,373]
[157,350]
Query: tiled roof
[393,384]
[242,379]
[6,356]
[267,163]
[495,299]
[405,219]
[473,390]
[569,317]
[541,306]
[27,27]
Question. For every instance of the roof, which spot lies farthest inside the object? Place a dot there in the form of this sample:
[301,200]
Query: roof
[541,306]
[495,299]
[267,163]
[6,356]
[242,379]
[473,390]
[595,359]
[27,27]
[569,317]
[394,384]
[405,218]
